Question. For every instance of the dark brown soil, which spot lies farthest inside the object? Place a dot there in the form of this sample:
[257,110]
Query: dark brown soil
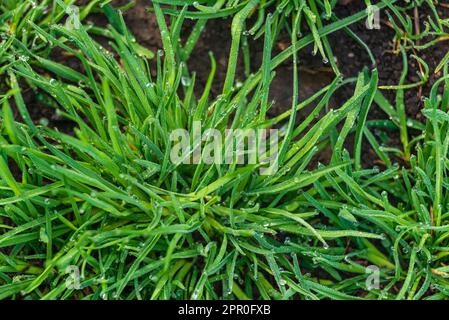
[389,60]
[352,59]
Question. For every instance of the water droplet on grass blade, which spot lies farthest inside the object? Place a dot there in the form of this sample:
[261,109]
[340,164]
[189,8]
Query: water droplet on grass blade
[44,121]
[185,81]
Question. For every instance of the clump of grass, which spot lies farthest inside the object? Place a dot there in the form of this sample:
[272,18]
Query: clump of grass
[107,200]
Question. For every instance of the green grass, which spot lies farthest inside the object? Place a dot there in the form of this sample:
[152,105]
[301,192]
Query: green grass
[107,200]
